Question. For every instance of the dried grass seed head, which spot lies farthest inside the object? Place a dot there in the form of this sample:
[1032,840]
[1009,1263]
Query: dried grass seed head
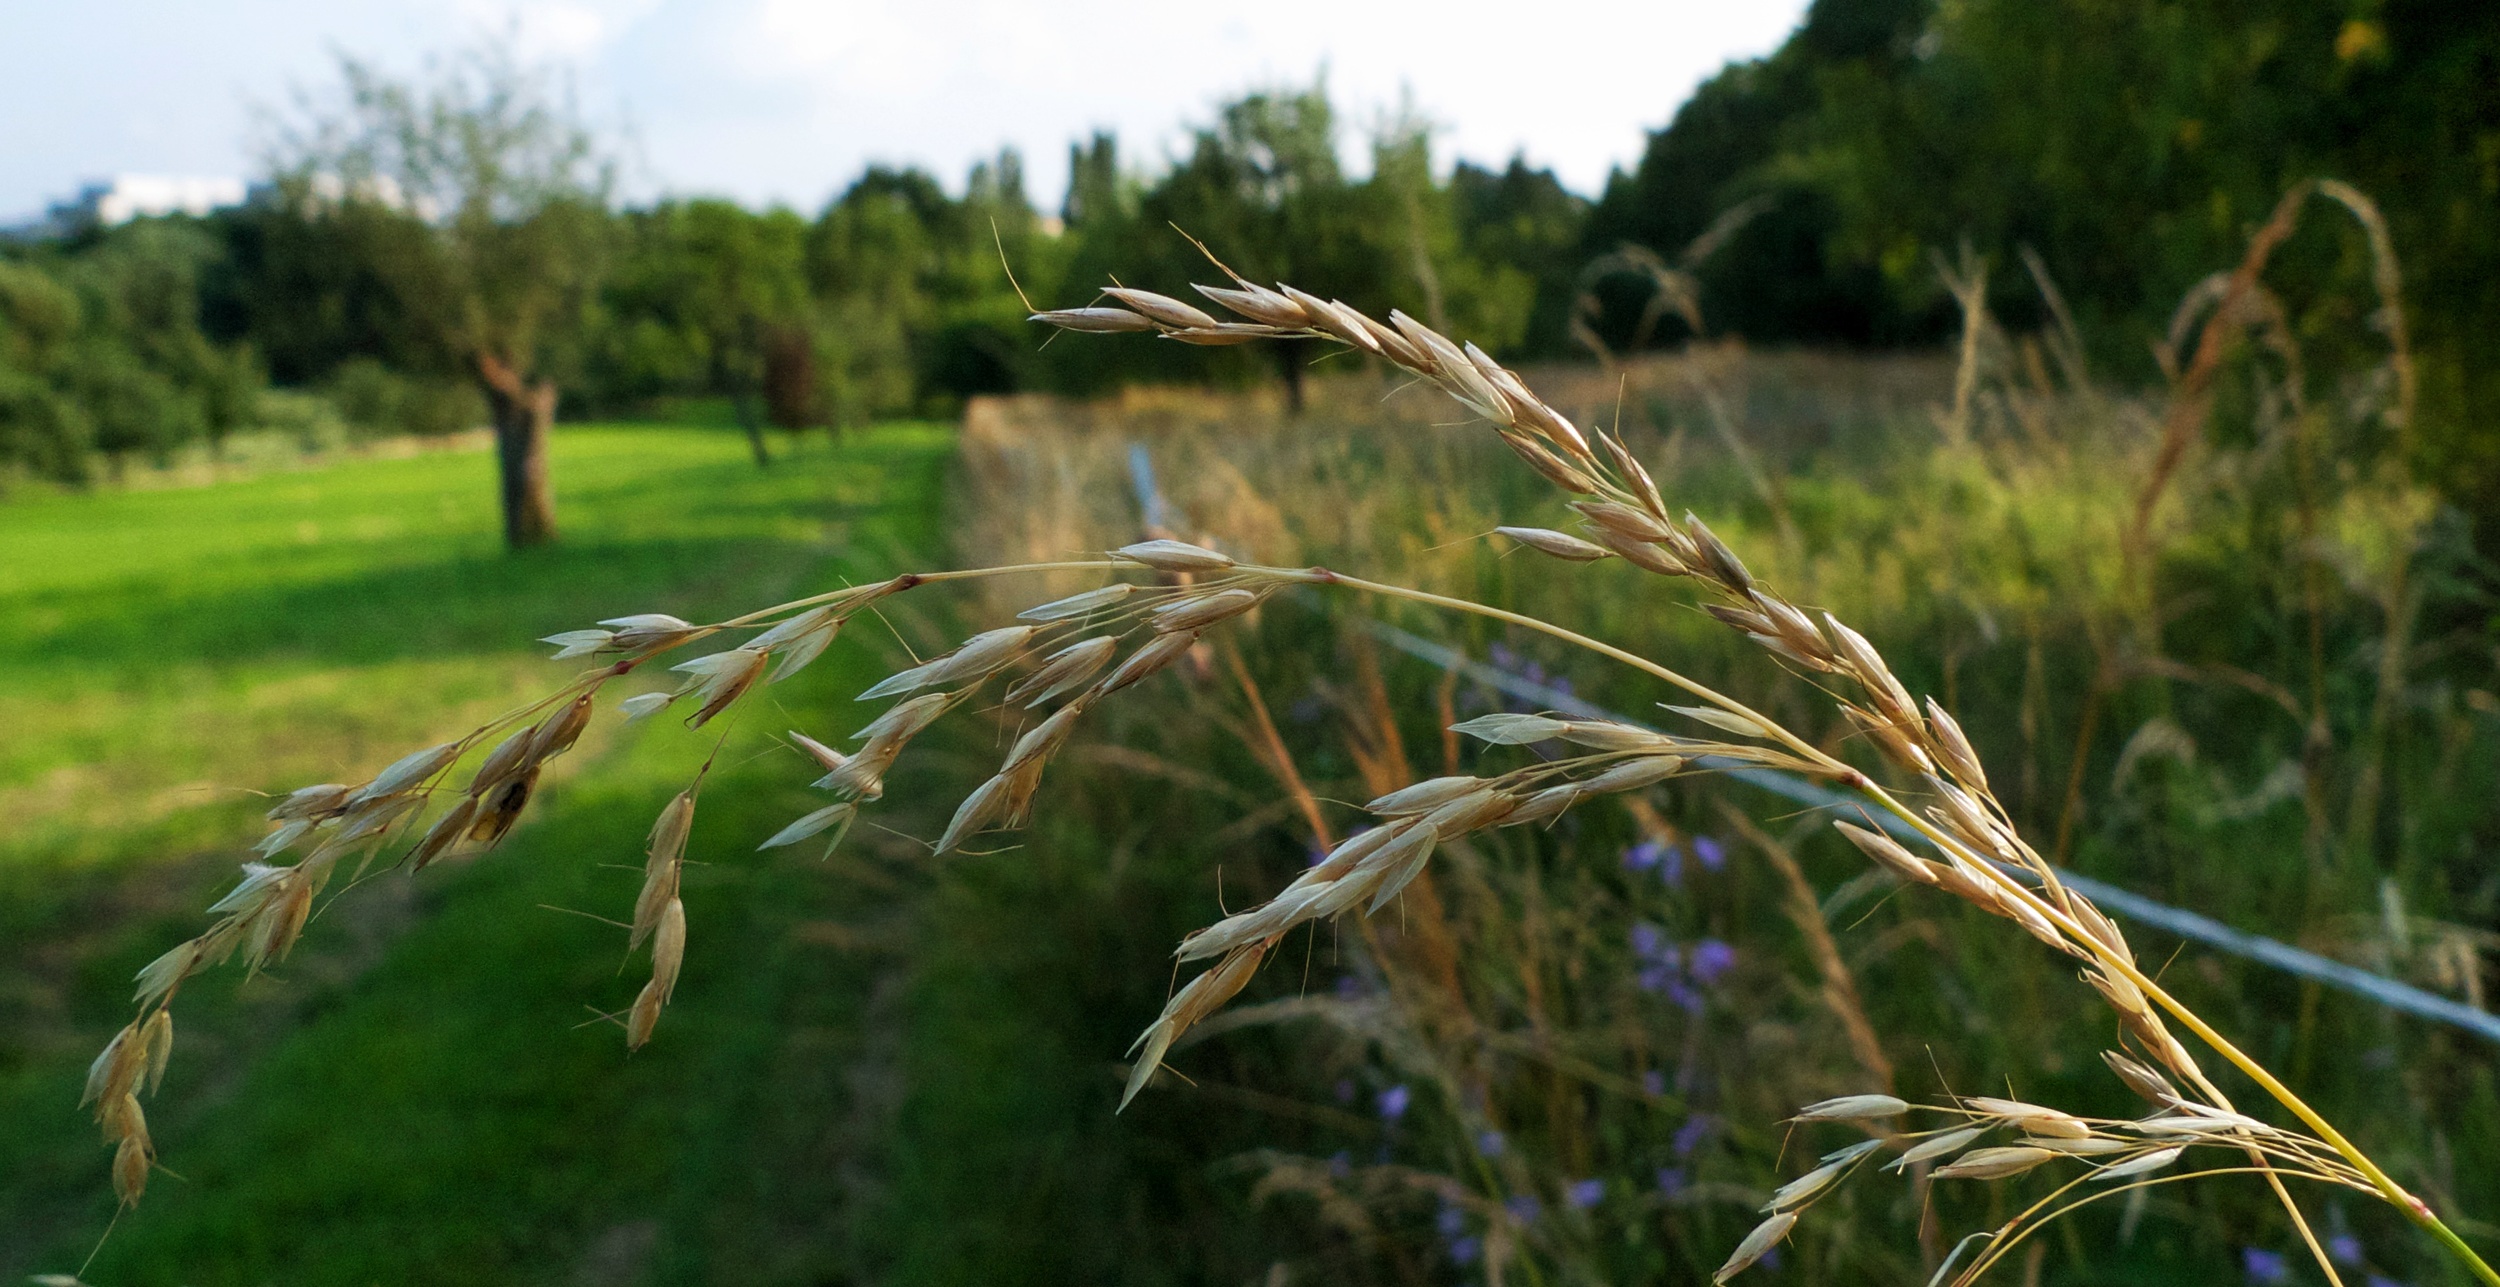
[1078,605]
[1936,1146]
[1062,672]
[1995,1163]
[1161,308]
[719,679]
[668,948]
[1173,556]
[2141,1164]
[1852,1108]
[1561,545]
[407,771]
[1157,653]
[1425,796]
[1503,728]
[1097,320]
[1756,1245]
[649,631]
[1198,611]
[1259,304]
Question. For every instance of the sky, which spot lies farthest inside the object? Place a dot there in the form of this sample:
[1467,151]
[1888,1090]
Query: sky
[786,100]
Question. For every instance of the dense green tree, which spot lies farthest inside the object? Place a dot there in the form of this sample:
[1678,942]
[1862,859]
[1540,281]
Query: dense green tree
[702,294]
[493,162]
[101,352]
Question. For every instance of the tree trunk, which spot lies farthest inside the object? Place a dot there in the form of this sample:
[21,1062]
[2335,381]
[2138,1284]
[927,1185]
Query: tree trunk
[523,414]
[742,404]
[1289,364]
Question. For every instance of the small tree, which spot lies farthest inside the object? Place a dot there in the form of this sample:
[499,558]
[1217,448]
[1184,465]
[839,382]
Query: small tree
[491,157]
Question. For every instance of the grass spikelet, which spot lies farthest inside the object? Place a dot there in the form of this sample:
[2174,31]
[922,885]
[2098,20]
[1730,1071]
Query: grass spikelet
[1100,320]
[1851,1108]
[1078,605]
[1995,1163]
[1063,672]
[1173,556]
[1756,1245]
[1561,545]
[661,864]
[1202,996]
[1157,653]
[1936,1146]
[2141,1164]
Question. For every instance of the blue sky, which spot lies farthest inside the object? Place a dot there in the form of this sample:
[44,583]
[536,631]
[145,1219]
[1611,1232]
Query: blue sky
[786,99]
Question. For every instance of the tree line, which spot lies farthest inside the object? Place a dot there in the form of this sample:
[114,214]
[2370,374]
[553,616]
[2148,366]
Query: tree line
[445,249]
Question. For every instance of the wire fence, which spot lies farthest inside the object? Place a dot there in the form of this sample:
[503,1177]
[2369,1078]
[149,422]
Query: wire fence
[2299,962]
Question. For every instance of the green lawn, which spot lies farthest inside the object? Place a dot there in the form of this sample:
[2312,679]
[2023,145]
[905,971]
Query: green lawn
[415,1096]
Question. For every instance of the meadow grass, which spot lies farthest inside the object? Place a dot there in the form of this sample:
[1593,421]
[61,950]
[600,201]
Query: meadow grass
[410,1100]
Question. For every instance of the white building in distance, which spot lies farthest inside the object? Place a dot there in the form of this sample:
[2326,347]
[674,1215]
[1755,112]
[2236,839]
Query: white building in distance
[124,197]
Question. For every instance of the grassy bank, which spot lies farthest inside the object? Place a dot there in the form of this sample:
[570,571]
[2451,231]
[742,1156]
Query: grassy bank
[414,1096]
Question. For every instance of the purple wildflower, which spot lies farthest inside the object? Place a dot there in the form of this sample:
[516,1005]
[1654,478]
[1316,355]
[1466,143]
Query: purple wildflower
[2381,1280]
[1643,856]
[1341,1164]
[2265,1268]
[1653,1083]
[1649,943]
[1466,1250]
[1349,988]
[1393,1102]
[1524,1208]
[2345,1249]
[1692,1133]
[1450,1220]
[1710,959]
[1692,1002]
[1713,855]
[1490,1143]
[1586,1193]
[1670,1181]
[1657,978]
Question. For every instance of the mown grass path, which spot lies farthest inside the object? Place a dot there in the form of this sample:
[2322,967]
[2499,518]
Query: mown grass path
[415,1096]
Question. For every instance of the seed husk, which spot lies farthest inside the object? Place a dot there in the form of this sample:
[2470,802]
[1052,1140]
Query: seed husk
[1503,728]
[1424,796]
[1157,653]
[1561,545]
[1994,1163]
[2140,1164]
[1197,612]
[407,771]
[1161,308]
[1758,1243]
[1937,1146]
[1259,304]
[1063,671]
[1078,605]
[1173,556]
[1851,1108]
[1716,718]
[810,824]
[985,803]
[2140,1078]
[1632,775]
[1098,320]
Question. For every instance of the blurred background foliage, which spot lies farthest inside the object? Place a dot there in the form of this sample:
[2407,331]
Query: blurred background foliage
[2125,148]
